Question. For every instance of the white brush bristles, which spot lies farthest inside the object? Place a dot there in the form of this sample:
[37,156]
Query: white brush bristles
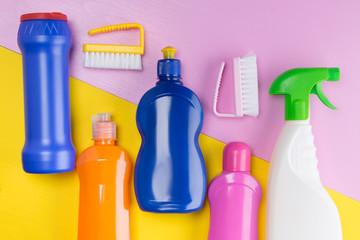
[113,60]
[249,86]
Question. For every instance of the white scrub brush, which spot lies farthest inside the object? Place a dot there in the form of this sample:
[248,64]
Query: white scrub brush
[114,56]
[245,88]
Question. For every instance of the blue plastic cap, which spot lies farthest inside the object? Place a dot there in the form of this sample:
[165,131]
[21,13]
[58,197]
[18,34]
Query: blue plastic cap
[169,68]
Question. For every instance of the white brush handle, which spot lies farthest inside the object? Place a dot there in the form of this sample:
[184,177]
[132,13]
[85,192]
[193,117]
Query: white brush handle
[216,95]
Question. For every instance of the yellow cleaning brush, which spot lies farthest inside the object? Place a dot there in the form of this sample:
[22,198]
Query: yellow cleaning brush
[114,56]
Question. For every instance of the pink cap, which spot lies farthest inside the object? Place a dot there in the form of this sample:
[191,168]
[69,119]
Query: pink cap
[237,156]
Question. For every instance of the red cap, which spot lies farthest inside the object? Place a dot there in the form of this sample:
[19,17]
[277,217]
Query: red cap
[35,16]
[237,156]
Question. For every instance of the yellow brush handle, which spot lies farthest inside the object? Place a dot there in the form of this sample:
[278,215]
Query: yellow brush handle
[120,27]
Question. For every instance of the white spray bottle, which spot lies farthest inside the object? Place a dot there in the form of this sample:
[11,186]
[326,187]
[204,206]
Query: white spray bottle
[298,207]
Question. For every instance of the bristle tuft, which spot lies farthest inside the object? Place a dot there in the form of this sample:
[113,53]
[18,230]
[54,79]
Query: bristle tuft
[113,60]
[249,83]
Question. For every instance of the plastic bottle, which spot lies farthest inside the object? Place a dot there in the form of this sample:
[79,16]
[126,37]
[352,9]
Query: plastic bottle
[45,40]
[104,173]
[234,197]
[297,206]
[170,173]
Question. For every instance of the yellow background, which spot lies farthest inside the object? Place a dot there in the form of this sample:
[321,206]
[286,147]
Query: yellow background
[46,206]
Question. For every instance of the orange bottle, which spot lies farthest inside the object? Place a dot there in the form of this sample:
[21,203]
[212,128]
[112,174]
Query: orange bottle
[104,173]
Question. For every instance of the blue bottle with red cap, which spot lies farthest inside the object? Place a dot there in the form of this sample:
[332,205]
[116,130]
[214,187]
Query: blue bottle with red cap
[170,174]
[45,40]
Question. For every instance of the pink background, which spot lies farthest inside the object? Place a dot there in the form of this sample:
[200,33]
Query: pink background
[283,34]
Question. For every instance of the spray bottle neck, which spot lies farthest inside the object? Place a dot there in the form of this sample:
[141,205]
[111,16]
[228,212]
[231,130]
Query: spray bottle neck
[298,122]
[297,109]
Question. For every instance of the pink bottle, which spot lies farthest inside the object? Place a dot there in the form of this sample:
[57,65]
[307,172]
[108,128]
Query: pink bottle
[234,197]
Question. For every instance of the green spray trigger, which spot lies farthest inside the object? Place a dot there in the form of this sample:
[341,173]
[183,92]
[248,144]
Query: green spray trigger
[297,85]
[318,91]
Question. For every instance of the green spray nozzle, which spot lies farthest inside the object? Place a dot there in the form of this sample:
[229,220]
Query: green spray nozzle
[297,85]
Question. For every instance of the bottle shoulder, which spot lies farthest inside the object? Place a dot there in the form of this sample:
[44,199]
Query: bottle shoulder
[171,90]
[294,159]
[103,153]
[235,178]
[295,137]
[46,32]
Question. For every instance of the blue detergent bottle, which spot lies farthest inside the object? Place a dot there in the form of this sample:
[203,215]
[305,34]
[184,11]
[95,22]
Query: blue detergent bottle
[45,40]
[170,174]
